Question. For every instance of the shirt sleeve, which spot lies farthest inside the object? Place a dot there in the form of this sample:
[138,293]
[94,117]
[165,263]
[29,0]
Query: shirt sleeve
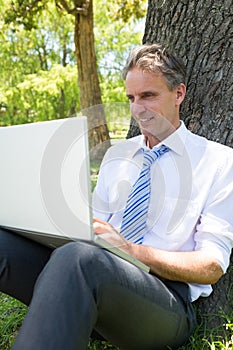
[215,228]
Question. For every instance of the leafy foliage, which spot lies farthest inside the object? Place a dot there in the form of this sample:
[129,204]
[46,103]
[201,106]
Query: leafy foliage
[38,80]
[39,77]
[42,96]
[114,39]
[126,9]
[25,12]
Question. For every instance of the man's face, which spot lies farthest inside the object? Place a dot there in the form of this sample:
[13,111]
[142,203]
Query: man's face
[153,105]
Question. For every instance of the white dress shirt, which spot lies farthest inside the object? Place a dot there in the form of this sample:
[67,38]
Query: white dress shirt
[191,204]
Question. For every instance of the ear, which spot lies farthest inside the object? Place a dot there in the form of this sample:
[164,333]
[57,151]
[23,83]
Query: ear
[180,94]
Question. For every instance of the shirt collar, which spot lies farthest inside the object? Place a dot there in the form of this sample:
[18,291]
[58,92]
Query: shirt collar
[175,141]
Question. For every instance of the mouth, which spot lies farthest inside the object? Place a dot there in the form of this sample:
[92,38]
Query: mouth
[145,120]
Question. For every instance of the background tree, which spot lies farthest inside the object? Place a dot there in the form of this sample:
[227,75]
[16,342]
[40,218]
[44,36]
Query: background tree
[38,79]
[201,33]
[115,35]
[27,14]
[89,87]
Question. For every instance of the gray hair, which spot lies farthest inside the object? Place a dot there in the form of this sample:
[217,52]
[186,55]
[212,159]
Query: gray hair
[154,58]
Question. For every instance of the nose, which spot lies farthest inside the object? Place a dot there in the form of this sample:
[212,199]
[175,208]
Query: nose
[136,109]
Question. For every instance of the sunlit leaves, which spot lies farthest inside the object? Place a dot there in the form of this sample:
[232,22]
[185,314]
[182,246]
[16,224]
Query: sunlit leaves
[24,12]
[114,39]
[42,96]
[126,9]
[38,74]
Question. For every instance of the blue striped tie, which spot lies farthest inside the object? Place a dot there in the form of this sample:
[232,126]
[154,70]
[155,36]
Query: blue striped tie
[135,214]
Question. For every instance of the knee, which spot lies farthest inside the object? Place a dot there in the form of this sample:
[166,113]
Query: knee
[74,251]
[77,254]
[89,259]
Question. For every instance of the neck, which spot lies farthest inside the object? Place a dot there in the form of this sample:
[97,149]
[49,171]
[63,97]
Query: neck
[153,140]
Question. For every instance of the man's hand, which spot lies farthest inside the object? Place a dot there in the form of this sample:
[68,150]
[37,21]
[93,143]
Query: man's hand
[190,267]
[110,234]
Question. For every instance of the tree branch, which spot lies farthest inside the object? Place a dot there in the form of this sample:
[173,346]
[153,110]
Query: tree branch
[77,9]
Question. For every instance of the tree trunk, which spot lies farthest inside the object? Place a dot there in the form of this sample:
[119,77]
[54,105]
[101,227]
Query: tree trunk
[201,33]
[90,94]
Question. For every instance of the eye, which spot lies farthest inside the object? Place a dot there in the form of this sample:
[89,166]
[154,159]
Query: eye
[130,98]
[148,95]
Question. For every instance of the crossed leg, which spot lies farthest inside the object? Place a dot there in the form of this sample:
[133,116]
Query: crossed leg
[84,288]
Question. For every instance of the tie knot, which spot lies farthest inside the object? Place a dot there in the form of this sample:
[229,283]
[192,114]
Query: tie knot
[150,155]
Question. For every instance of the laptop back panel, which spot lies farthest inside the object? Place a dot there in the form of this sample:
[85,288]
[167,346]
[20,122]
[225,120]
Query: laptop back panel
[45,178]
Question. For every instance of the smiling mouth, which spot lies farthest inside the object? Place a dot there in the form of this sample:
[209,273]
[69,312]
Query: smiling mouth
[144,120]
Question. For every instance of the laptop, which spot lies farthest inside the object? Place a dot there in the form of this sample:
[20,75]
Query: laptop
[45,191]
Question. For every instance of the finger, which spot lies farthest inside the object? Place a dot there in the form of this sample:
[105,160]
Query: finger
[95,219]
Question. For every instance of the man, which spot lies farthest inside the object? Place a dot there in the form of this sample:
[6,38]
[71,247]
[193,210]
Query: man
[173,213]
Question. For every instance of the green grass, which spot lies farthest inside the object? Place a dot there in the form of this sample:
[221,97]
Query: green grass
[12,313]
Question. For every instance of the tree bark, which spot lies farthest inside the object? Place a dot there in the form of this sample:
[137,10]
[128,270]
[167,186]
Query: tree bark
[88,82]
[201,33]
[90,94]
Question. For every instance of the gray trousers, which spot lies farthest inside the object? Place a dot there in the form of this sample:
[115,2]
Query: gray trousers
[84,288]
[21,261]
